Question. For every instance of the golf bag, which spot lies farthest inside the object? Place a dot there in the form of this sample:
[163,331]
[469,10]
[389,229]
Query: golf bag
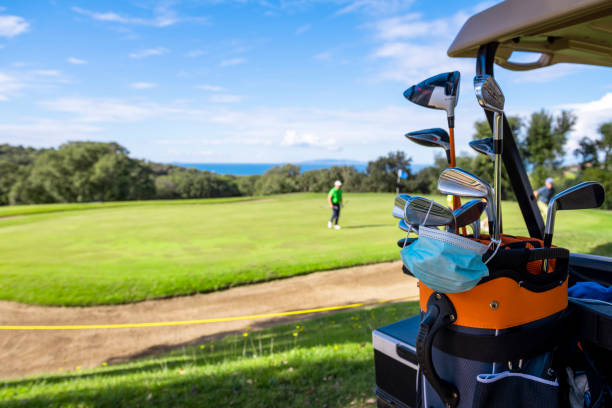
[493,345]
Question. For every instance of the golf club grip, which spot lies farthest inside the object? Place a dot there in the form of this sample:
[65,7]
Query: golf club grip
[438,315]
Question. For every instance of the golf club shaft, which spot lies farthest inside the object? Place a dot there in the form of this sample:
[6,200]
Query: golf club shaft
[497,141]
[453,163]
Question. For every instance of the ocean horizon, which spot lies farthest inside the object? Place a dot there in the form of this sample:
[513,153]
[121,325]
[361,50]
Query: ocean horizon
[249,169]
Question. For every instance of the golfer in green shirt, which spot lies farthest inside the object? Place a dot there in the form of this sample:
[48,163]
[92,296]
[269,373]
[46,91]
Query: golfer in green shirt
[334,198]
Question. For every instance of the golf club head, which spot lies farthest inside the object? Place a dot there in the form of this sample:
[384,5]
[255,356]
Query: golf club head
[469,212]
[488,93]
[400,205]
[438,92]
[459,182]
[484,146]
[435,137]
[589,194]
[423,211]
[405,227]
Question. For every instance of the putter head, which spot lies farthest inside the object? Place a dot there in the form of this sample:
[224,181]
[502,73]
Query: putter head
[484,146]
[438,92]
[400,205]
[488,93]
[435,137]
[589,194]
[423,211]
[469,212]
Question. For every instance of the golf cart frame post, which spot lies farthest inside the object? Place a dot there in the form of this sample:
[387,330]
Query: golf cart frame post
[510,154]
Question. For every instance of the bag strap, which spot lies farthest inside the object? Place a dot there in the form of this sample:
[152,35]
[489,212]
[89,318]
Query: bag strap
[518,344]
[512,263]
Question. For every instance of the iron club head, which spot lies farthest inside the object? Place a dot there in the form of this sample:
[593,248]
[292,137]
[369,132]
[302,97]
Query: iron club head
[423,211]
[488,93]
[459,182]
[469,212]
[589,194]
[400,205]
[435,137]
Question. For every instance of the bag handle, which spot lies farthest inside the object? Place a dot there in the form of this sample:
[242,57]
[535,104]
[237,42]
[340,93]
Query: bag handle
[440,313]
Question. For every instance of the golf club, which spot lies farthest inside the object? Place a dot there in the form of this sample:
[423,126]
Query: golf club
[469,212]
[440,92]
[589,194]
[400,205]
[491,98]
[435,137]
[460,182]
[476,228]
[405,227]
[423,211]
[484,146]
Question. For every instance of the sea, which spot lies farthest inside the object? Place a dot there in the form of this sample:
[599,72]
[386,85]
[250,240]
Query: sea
[248,169]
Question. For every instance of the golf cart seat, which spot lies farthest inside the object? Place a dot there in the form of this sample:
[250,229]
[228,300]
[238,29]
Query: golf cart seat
[560,30]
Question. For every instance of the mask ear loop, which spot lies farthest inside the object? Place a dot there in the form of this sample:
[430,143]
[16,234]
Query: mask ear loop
[497,246]
[410,225]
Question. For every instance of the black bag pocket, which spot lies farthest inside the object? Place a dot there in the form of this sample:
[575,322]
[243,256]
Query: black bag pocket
[515,390]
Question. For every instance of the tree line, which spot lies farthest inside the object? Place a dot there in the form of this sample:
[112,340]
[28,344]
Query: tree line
[94,171]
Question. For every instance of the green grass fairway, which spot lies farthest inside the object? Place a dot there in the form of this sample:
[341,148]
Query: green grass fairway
[125,252]
[322,362]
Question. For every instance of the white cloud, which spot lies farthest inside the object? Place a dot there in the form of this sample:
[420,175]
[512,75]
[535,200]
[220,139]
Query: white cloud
[225,98]
[412,48]
[149,52]
[163,16]
[13,82]
[105,110]
[8,86]
[375,6]
[142,85]
[44,132]
[195,53]
[323,56]
[364,133]
[303,29]
[589,115]
[76,61]
[293,139]
[232,61]
[47,72]
[11,26]
[210,88]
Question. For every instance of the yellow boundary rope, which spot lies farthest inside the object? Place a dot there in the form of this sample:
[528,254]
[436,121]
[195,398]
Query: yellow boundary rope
[203,321]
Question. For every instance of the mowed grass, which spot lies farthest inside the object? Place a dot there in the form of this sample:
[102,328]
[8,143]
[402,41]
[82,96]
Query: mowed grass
[126,252]
[322,362]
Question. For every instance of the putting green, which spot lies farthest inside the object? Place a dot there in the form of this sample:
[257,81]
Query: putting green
[118,254]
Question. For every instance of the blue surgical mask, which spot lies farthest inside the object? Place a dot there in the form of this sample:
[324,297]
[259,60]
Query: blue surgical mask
[445,262]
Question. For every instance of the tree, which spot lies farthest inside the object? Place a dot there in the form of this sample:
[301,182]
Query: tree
[382,172]
[279,180]
[546,137]
[605,143]
[82,172]
[587,152]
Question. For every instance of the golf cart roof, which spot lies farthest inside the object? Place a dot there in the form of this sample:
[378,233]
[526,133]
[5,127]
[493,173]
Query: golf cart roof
[561,30]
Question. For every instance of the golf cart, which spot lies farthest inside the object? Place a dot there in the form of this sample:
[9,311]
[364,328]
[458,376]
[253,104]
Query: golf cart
[415,367]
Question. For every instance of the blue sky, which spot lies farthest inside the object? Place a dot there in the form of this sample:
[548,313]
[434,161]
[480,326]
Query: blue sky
[254,81]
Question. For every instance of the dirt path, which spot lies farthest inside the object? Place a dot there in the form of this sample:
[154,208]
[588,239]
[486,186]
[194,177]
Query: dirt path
[25,353]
